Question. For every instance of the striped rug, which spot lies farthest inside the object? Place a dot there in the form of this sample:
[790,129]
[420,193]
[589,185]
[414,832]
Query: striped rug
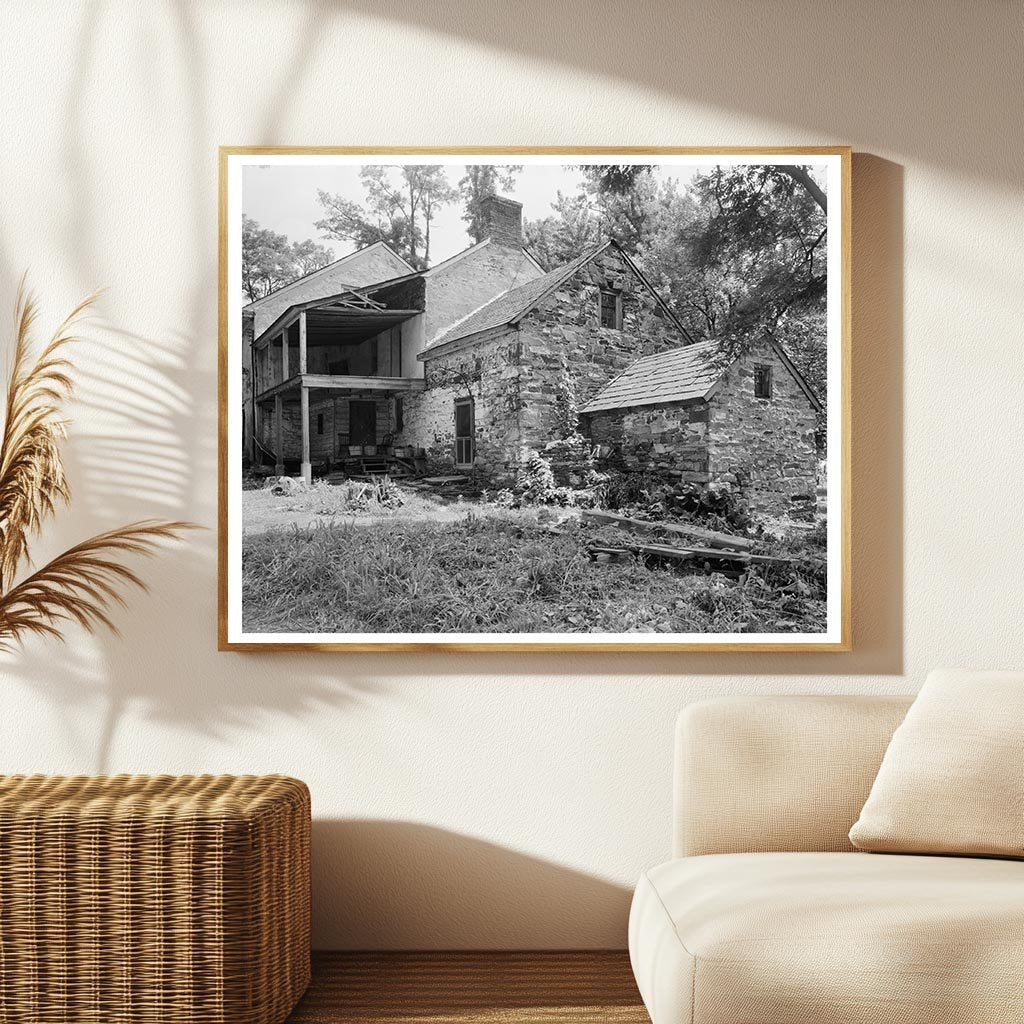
[471,988]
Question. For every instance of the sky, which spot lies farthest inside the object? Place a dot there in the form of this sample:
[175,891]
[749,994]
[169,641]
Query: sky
[283,197]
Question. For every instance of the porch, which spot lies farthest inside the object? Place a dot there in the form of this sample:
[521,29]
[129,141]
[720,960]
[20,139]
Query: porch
[331,416]
[327,377]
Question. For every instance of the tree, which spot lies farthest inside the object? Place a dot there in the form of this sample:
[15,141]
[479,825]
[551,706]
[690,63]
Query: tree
[617,179]
[308,256]
[762,235]
[755,264]
[435,192]
[347,221]
[401,202]
[479,182]
[265,260]
[269,260]
[571,230]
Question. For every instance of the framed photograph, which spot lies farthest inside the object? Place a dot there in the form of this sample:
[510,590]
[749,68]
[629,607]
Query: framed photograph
[535,399]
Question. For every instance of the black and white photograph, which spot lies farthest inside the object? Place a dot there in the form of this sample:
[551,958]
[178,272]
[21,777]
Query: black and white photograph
[534,399]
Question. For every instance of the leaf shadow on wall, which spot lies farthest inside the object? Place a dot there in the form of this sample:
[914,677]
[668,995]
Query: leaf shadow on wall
[144,445]
[405,885]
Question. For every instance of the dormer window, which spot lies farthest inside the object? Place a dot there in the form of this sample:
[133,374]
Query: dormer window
[762,382]
[611,309]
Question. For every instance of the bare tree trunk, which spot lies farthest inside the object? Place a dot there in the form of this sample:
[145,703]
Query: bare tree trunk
[801,177]
[412,226]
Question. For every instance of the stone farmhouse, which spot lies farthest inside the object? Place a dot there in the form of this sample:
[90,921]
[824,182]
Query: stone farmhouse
[462,365]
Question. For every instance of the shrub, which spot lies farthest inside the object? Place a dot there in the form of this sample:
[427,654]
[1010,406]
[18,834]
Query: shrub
[535,482]
[716,504]
[324,499]
[627,490]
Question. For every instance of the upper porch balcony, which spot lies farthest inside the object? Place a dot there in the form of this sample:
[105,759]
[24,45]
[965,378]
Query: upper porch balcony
[346,344]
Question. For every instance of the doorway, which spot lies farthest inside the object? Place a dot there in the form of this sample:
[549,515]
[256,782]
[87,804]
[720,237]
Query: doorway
[465,428]
[362,422]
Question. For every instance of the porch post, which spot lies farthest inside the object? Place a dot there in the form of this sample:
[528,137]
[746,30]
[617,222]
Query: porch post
[284,355]
[307,469]
[254,411]
[279,434]
[302,341]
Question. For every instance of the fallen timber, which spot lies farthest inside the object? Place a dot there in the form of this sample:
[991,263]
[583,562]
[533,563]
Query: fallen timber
[667,551]
[710,538]
[712,547]
[687,553]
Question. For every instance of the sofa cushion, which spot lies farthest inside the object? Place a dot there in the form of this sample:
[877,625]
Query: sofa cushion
[952,778]
[830,938]
[757,774]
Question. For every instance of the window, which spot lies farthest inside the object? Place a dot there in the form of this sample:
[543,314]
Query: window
[464,431]
[762,382]
[611,309]
[319,422]
[399,416]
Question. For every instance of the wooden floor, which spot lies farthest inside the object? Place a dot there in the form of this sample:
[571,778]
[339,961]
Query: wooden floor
[471,988]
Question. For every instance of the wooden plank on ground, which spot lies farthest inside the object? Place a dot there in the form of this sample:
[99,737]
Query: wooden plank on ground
[710,537]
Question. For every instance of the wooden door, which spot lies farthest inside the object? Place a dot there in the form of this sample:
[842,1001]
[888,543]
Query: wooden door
[362,423]
[465,428]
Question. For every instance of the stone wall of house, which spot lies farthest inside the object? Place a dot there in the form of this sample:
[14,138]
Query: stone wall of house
[669,441]
[516,376]
[764,446]
[565,333]
[489,371]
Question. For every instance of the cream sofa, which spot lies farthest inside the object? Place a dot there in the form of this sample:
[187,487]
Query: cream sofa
[769,916]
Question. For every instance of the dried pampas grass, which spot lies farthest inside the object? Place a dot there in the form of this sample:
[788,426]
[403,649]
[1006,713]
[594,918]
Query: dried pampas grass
[86,581]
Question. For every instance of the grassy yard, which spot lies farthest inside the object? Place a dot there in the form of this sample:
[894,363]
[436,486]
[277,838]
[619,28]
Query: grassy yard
[487,573]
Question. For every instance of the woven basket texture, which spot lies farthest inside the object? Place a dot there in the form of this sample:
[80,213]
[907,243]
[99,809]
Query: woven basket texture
[153,899]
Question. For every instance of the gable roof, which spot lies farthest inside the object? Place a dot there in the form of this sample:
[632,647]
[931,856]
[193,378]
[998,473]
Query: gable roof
[513,303]
[475,247]
[321,271]
[678,375]
[510,306]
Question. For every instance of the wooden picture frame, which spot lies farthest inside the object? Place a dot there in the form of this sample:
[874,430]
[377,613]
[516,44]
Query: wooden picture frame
[835,165]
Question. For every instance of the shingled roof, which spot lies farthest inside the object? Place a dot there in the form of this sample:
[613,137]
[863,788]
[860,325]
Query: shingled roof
[509,306]
[679,375]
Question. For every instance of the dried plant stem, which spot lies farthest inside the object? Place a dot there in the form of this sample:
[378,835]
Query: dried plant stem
[84,582]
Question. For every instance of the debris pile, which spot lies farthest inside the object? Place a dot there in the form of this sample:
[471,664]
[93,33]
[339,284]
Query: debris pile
[677,542]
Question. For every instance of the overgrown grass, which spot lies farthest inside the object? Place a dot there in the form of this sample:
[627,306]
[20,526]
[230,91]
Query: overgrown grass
[491,574]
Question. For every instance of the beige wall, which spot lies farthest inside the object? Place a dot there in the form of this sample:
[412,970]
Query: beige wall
[494,800]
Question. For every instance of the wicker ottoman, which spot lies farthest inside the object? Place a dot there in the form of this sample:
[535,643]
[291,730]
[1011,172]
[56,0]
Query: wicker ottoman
[135,899]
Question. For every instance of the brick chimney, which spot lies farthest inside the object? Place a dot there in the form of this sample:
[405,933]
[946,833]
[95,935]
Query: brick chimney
[503,219]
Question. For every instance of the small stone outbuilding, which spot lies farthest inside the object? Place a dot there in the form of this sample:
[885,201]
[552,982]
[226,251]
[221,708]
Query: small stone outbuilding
[688,415]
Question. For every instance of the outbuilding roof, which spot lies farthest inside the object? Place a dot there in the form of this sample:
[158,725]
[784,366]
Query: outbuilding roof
[679,375]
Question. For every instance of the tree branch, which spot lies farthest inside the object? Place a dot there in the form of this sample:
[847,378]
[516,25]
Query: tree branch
[801,177]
